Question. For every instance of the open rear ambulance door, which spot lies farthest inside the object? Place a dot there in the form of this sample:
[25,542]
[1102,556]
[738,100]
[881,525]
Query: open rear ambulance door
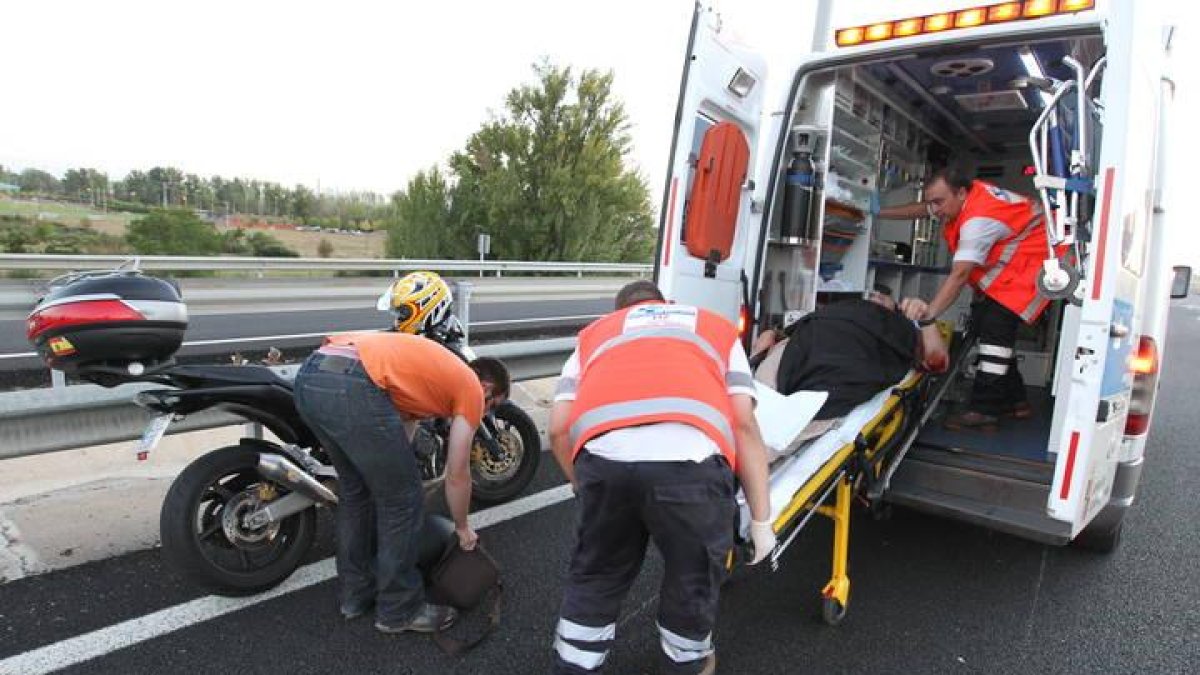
[706,219]
[1094,382]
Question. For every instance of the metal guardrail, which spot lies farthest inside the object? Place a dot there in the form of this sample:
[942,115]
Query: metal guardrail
[21,261]
[17,300]
[48,420]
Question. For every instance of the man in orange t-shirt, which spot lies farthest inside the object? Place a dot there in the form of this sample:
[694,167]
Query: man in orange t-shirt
[362,394]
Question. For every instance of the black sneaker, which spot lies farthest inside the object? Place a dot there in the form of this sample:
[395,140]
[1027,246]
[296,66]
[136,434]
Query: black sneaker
[429,619]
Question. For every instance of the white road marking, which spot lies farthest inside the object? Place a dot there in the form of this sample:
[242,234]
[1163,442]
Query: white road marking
[104,641]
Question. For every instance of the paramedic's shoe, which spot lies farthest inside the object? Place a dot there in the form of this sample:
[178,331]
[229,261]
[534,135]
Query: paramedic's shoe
[1021,411]
[429,619]
[971,421]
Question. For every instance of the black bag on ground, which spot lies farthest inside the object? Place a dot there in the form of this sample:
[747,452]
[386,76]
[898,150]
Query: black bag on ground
[461,579]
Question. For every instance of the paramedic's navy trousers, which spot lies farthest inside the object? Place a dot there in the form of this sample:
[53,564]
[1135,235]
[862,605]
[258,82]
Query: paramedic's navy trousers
[689,510]
[998,385]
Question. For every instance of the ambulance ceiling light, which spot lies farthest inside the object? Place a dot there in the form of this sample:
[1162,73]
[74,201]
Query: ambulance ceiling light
[1034,68]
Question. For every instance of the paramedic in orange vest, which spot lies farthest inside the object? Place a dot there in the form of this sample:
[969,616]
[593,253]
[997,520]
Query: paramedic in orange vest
[998,240]
[652,419]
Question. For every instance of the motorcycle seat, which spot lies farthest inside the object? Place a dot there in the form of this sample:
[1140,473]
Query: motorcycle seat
[225,375]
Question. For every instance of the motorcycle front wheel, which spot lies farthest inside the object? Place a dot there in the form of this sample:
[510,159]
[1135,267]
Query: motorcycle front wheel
[202,529]
[498,478]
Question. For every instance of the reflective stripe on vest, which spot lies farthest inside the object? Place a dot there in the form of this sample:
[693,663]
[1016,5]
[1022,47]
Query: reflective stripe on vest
[669,333]
[613,412]
[1006,256]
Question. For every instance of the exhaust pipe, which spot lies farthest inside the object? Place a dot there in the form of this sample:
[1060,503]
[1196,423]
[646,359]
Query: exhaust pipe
[283,471]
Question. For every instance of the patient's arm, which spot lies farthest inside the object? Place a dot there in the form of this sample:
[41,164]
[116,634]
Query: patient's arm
[932,353]
[763,343]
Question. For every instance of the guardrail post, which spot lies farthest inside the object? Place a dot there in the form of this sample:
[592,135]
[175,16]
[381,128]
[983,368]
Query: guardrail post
[462,307]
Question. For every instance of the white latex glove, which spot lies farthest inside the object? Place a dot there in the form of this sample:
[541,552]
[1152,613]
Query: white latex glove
[763,538]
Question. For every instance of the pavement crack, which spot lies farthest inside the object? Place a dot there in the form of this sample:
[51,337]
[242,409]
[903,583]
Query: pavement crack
[640,608]
[1037,592]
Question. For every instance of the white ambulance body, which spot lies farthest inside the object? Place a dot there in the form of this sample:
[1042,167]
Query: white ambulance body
[766,213]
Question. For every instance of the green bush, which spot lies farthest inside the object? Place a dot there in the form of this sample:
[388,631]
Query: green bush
[173,232]
[256,244]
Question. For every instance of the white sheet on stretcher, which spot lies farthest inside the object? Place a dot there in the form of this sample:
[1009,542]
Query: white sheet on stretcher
[790,474]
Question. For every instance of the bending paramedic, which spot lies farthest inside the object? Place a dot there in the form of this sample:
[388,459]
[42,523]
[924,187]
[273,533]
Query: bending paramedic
[652,419]
[998,242]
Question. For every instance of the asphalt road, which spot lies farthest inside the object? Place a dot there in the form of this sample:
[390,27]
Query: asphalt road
[929,595]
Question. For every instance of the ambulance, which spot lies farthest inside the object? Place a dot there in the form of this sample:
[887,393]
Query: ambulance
[767,215]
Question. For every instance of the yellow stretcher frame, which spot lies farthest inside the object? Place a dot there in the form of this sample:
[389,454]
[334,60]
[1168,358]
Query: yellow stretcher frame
[840,476]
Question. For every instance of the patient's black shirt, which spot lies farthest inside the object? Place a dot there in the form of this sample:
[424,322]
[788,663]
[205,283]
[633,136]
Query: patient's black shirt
[852,349]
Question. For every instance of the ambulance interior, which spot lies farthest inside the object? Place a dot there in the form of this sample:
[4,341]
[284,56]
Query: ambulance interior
[887,126]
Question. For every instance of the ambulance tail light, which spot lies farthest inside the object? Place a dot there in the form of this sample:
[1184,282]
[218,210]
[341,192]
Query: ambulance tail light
[1144,365]
[964,18]
[743,322]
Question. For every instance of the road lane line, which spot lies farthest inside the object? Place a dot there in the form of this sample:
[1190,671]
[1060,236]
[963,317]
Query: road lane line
[97,643]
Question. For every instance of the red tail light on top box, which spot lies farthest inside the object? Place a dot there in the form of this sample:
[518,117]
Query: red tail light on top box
[112,319]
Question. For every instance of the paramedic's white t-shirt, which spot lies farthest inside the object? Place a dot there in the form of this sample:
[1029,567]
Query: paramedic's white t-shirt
[666,441]
[977,237]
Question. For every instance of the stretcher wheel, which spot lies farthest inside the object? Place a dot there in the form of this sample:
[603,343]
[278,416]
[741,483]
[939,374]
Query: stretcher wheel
[832,611]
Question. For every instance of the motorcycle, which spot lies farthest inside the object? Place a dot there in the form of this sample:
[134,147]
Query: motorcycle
[239,519]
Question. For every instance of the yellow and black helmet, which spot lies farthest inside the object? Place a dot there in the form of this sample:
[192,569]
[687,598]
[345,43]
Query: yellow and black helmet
[418,301]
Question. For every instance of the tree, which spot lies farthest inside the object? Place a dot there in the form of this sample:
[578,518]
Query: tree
[137,186]
[173,232]
[303,203]
[10,177]
[167,184]
[547,179]
[421,224]
[39,182]
[85,185]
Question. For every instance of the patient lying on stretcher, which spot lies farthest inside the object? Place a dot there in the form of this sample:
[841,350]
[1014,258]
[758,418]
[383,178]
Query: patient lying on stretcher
[852,350]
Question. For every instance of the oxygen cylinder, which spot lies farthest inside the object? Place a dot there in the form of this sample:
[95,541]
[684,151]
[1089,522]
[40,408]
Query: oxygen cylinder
[797,197]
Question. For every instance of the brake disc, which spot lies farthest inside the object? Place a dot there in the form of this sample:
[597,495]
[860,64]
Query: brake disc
[233,517]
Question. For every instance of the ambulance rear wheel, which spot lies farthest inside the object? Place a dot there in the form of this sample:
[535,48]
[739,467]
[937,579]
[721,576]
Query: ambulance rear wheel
[832,611]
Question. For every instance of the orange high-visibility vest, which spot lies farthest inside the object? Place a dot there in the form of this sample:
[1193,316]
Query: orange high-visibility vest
[1009,274]
[655,363]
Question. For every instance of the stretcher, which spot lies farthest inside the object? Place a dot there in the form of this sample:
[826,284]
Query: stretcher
[824,475]
[855,460]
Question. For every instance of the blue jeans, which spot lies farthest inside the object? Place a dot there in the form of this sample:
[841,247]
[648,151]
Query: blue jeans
[380,499]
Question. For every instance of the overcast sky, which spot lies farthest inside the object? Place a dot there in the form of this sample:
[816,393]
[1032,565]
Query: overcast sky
[354,94]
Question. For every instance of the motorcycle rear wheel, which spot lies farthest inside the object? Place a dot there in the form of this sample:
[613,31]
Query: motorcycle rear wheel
[201,530]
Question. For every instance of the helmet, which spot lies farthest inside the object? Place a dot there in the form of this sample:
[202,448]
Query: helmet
[418,301]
